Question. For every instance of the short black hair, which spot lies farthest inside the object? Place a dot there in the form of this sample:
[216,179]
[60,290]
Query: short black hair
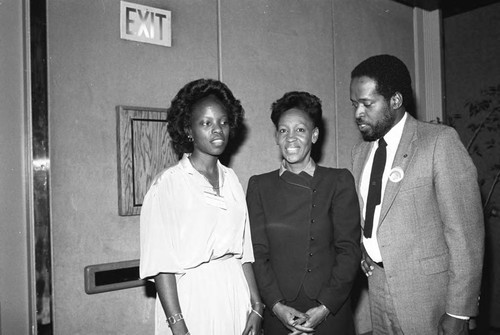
[180,111]
[304,101]
[390,74]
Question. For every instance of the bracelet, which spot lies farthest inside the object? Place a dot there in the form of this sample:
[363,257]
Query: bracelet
[173,319]
[258,303]
[260,316]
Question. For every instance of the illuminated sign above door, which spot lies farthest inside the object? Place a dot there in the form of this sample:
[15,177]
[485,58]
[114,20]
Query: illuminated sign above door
[145,24]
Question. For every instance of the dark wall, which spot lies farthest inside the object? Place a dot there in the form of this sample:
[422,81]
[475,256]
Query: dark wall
[472,71]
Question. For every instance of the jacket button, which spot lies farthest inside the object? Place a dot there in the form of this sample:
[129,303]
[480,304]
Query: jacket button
[312,220]
[310,254]
[309,270]
[314,205]
[312,238]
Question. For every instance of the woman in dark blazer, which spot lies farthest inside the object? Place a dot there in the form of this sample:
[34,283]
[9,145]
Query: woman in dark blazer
[305,228]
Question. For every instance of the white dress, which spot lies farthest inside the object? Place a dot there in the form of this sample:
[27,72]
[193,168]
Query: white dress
[203,239]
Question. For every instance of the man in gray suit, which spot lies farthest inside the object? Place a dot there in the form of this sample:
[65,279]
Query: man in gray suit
[421,211]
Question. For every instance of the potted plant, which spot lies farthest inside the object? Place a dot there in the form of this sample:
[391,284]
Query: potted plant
[483,145]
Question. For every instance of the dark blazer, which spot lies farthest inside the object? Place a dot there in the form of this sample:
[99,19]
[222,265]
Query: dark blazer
[305,232]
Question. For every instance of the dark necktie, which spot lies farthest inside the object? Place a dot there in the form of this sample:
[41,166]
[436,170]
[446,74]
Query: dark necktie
[375,189]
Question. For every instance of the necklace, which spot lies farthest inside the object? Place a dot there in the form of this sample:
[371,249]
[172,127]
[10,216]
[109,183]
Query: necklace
[214,182]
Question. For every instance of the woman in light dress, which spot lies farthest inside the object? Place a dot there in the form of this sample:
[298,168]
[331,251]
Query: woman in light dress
[195,235]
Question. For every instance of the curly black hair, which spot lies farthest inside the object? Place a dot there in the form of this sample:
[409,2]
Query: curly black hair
[304,101]
[180,111]
[390,74]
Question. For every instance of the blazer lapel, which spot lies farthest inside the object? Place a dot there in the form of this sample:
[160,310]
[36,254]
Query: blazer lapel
[404,155]
[296,179]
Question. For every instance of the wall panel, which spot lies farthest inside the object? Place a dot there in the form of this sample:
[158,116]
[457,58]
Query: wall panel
[91,71]
[14,277]
[269,48]
[362,29]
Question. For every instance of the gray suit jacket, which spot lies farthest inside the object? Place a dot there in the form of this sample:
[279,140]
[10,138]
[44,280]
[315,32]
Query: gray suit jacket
[431,231]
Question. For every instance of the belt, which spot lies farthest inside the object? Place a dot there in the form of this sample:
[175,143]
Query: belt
[222,258]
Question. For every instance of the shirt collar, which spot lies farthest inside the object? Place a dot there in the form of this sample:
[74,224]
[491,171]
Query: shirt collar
[189,168]
[309,169]
[186,163]
[393,136]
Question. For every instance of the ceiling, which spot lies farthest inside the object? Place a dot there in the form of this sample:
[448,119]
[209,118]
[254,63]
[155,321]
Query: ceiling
[448,7]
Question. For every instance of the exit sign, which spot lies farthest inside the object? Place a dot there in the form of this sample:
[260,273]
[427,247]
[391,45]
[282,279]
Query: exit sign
[145,24]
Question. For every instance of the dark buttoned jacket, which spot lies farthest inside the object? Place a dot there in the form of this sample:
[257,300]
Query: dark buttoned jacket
[305,233]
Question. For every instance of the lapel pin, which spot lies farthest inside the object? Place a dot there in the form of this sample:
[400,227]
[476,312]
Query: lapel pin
[396,174]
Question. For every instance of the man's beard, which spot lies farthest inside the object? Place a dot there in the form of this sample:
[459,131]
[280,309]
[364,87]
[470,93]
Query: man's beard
[380,128]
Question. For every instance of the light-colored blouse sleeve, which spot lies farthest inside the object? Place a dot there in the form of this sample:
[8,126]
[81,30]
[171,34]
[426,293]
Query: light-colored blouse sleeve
[247,256]
[157,246]
[247,250]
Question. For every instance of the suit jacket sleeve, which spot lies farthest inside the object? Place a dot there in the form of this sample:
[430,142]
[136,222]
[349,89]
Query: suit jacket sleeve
[264,273]
[459,202]
[346,238]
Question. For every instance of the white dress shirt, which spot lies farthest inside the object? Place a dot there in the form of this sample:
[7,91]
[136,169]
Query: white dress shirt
[392,139]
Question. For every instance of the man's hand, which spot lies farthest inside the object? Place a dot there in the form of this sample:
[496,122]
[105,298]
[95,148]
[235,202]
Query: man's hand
[366,264]
[316,316]
[291,318]
[448,325]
